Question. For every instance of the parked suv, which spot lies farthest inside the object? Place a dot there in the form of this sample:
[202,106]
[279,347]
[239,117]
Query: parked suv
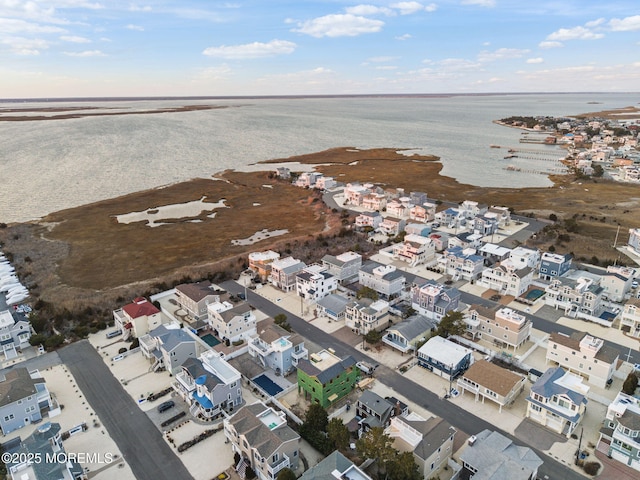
[164,406]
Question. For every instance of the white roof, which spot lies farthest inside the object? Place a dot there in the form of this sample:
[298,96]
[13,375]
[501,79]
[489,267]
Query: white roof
[444,351]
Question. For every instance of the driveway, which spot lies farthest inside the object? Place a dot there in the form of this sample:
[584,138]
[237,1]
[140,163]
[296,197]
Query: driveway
[140,442]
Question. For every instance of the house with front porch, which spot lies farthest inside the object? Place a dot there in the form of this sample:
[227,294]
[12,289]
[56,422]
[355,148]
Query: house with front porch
[444,358]
[503,326]
[368,220]
[462,263]
[326,378]
[404,336]
[137,318]
[14,334]
[621,431]
[168,346]
[506,278]
[209,385]
[344,267]
[284,271]
[24,398]
[364,314]
[333,306]
[386,280]
[630,317]
[577,297]
[484,379]
[264,441]
[277,349]
[430,441]
[553,265]
[558,401]
[374,202]
[193,298]
[415,250]
[433,299]
[354,193]
[260,263]
[232,322]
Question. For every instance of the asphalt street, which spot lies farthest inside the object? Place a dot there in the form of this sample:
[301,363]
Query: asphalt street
[459,418]
[139,440]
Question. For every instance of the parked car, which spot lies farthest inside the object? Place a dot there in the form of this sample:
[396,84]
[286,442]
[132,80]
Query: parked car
[114,333]
[164,406]
[366,367]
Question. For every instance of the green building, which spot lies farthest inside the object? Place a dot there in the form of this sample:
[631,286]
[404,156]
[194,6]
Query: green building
[325,378]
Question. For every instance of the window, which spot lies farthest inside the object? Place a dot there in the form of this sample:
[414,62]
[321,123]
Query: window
[275,457]
[9,417]
[536,408]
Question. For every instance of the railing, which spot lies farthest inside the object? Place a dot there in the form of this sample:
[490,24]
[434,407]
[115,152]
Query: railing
[279,465]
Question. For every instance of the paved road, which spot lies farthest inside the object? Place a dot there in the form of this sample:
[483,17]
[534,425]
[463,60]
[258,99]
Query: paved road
[140,442]
[459,418]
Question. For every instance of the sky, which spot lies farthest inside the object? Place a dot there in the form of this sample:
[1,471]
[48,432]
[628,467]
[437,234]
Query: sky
[84,48]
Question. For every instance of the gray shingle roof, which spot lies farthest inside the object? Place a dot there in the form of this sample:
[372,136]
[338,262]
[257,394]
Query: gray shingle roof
[196,291]
[16,385]
[414,326]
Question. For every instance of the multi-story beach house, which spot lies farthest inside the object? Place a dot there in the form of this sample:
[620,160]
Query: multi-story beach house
[284,271]
[465,240]
[525,257]
[307,179]
[368,220]
[354,193]
[264,441]
[194,298]
[344,267]
[506,278]
[404,336]
[503,214]
[486,224]
[391,226]
[558,401]
[462,263]
[470,209]
[169,346]
[440,240]
[374,411]
[553,265]
[232,322]
[430,441]
[630,317]
[584,355]
[324,183]
[14,334]
[576,297]
[503,326]
[433,299]
[374,202]
[277,349]
[634,240]
[415,250]
[209,385]
[451,218]
[617,282]
[386,280]
[315,282]
[444,358]
[137,318]
[260,263]
[493,253]
[365,314]
[24,398]
[326,378]
[397,209]
[423,212]
[485,380]
[621,431]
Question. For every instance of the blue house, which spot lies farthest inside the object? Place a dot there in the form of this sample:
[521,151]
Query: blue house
[24,399]
[553,265]
[444,358]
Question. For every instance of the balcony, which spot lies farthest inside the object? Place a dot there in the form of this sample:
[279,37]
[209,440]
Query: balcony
[275,467]
[185,382]
[394,342]
[120,318]
[302,353]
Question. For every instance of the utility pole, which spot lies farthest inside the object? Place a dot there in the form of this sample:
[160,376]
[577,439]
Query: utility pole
[579,445]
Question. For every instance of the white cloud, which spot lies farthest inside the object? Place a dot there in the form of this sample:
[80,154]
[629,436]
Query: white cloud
[86,53]
[459,64]
[137,28]
[386,67]
[550,44]
[405,36]
[595,23]
[251,50]
[25,46]
[339,25]
[480,3]
[432,7]
[501,54]
[368,10]
[11,25]
[407,8]
[138,8]
[380,59]
[625,24]
[74,39]
[535,60]
[215,73]
[575,33]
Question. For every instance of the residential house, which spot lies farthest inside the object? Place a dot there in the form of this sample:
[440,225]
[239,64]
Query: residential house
[434,300]
[260,263]
[391,226]
[584,355]
[553,265]
[486,224]
[374,411]
[440,240]
[503,326]
[33,453]
[315,282]
[617,282]
[621,431]
[283,173]
[307,179]
[418,229]
[470,209]
[24,398]
[386,280]
[326,378]
[430,441]
[194,298]
[462,263]
[444,358]
[492,456]
[576,297]
[634,240]
[344,267]
[423,212]
[507,278]
[14,334]
[232,322]
[415,250]
[369,220]
[465,240]
[525,257]
[364,314]
[418,198]
[397,209]
[277,349]
[558,401]
[487,380]
[374,202]
[325,183]
[335,467]
[137,318]
[354,193]
[493,253]
[284,271]
[333,306]
[630,318]
[405,335]
[169,346]
[209,385]
[264,441]
[451,218]
[503,214]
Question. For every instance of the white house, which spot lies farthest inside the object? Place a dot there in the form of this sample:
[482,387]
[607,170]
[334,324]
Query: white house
[315,282]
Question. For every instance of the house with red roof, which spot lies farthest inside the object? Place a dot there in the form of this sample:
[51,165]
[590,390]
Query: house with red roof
[137,318]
